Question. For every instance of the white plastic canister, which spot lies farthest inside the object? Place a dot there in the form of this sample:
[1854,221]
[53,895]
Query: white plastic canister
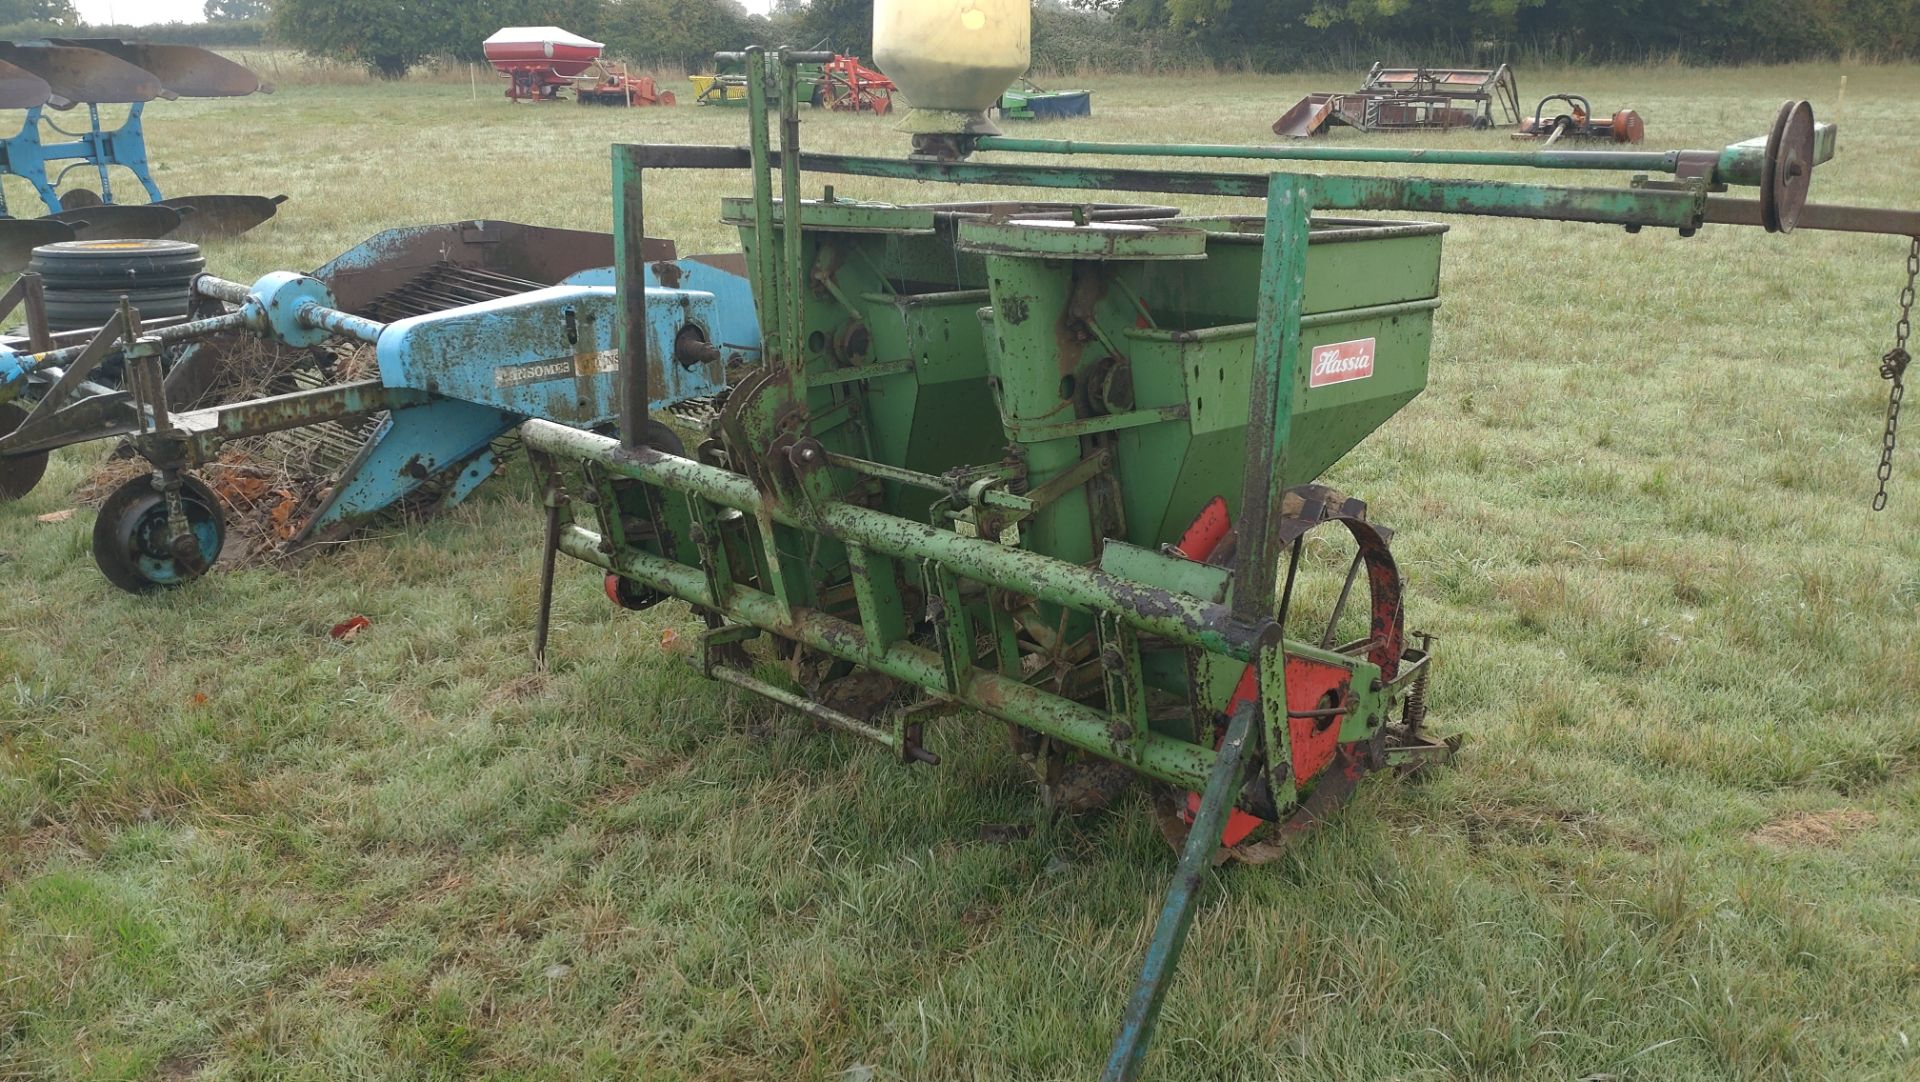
[952,58]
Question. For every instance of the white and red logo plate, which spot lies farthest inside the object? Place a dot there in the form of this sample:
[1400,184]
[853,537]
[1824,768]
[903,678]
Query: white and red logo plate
[1340,362]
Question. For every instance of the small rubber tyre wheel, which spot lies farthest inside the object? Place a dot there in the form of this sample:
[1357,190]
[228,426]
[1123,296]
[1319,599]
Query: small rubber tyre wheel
[18,473]
[130,535]
[85,279]
[123,263]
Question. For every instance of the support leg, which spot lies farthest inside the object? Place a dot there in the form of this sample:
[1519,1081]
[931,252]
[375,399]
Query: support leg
[556,497]
[128,147]
[1176,917]
[26,158]
[97,143]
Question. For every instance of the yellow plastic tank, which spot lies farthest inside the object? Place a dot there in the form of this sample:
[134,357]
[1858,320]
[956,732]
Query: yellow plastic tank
[952,58]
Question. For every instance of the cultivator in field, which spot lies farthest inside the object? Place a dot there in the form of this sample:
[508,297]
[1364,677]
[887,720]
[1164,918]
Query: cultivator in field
[1410,99]
[67,73]
[382,382]
[848,86]
[1578,123]
[834,81]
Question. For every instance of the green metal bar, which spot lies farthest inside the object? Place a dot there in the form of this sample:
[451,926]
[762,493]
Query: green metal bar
[817,711]
[1745,162]
[1492,198]
[1276,736]
[1174,761]
[1650,161]
[1229,331]
[876,593]
[1283,276]
[629,242]
[793,290]
[715,561]
[1656,207]
[1660,207]
[1741,163]
[931,482]
[1182,618]
[1616,206]
[865,371]
[1176,916]
[1087,426]
[759,152]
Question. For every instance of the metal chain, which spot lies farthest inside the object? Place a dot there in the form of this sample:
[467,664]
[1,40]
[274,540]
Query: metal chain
[1893,369]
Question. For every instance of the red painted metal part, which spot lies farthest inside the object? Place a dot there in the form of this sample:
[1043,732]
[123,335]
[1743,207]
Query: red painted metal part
[849,86]
[618,88]
[1198,543]
[539,51]
[1315,690]
[540,62]
[1206,533]
[532,82]
[1313,686]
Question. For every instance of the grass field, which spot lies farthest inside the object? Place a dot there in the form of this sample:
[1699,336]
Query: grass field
[1683,842]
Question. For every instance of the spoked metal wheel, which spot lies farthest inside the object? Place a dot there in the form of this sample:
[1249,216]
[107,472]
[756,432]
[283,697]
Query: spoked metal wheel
[18,473]
[1326,763]
[134,542]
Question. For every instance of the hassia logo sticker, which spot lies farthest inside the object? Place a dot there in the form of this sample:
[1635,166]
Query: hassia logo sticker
[1340,362]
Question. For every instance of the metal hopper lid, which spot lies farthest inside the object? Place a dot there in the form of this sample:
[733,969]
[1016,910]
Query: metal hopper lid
[541,35]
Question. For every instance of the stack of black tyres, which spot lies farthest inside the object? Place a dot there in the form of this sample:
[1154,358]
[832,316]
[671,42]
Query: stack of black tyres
[85,279]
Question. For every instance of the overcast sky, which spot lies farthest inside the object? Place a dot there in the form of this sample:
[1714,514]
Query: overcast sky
[136,12]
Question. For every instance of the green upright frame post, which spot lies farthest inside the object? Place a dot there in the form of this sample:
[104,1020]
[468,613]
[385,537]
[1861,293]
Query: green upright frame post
[766,261]
[793,290]
[629,255]
[1270,397]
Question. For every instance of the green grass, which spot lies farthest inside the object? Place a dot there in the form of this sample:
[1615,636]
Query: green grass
[1632,507]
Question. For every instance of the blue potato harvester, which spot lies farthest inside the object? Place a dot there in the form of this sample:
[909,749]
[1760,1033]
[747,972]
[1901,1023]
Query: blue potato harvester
[395,370]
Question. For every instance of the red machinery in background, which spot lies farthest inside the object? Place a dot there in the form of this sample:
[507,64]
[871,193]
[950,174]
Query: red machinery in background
[1579,122]
[846,85]
[541,61]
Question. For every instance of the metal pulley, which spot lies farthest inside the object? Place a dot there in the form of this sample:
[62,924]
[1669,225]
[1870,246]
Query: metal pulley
[1787,169]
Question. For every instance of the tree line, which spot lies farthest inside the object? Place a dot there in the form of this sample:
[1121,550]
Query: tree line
[1277,32]
[391,36]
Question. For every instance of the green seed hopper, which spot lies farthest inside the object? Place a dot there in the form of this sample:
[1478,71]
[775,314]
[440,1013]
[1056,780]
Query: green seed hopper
[1052,465]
